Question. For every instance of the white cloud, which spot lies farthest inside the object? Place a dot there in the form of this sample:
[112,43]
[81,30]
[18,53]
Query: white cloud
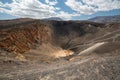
[51,2]
[37,9]
[1,3]
[33,9]
[92,6]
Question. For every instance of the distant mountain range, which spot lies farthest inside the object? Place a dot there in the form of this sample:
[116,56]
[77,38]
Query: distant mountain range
[100,19]
[115,18]
[53,18]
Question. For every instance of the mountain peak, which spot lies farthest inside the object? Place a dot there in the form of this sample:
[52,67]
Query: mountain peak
[53,18]
[115,18]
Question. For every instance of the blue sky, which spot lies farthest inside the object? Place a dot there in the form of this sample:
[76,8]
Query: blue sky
[65,9]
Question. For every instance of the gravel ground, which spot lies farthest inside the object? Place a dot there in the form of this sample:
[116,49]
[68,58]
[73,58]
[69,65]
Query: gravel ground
[94,67]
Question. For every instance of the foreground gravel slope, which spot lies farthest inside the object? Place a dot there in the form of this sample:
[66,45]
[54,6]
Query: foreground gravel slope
[94,67]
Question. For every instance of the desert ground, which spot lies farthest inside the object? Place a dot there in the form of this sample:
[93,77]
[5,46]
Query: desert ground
[33,49]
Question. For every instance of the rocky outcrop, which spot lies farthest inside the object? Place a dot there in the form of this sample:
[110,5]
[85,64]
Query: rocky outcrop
[20,40]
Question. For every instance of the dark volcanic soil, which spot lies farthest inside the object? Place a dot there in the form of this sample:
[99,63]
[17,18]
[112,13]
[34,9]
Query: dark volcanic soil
[18,38]
[92,67]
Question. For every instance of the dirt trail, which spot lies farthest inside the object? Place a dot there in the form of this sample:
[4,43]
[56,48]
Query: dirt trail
[92,48]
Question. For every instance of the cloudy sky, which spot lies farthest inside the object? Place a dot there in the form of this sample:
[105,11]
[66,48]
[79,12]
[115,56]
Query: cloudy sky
[65,9]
